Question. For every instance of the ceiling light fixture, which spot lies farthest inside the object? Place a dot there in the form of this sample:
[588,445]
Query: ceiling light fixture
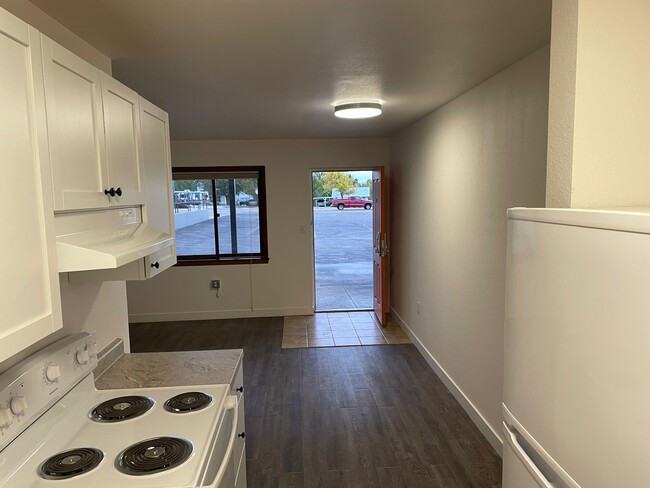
[357,110]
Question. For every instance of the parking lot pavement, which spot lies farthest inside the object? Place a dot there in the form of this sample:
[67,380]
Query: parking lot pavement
[343,255]
[343,251]
[199,238]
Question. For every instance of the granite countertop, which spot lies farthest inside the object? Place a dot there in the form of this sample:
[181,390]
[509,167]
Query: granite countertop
[153,369]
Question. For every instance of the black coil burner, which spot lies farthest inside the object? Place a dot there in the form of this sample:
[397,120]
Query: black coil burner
[71,463]
[121,408]
[154,455]
[188,402]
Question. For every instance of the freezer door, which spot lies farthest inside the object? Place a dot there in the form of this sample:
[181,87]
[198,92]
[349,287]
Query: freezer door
[577,336]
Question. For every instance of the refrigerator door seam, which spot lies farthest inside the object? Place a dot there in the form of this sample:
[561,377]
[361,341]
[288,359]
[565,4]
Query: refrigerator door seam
[531,467]
[511,424]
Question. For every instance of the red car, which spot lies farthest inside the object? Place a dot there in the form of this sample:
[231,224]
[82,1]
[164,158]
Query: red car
[352,202]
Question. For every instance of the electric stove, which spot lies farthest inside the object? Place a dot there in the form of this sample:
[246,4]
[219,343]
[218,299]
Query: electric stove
[56,429]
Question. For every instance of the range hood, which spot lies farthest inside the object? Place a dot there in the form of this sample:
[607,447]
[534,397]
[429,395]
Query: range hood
[105,239]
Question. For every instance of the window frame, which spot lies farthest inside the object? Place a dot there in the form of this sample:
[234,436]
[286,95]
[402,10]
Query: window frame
[239,258]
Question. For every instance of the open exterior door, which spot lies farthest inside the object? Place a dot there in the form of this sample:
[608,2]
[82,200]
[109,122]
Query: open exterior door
[380,244]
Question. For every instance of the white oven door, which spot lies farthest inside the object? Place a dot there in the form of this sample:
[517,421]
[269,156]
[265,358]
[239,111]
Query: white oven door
[221,469]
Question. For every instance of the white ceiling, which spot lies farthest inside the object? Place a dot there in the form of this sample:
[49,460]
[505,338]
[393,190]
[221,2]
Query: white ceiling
[255,69]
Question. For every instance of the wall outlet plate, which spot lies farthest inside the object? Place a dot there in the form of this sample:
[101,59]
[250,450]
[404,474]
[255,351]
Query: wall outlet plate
[215,284]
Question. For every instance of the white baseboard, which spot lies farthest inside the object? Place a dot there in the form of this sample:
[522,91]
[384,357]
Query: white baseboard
[490,434]
[218,314]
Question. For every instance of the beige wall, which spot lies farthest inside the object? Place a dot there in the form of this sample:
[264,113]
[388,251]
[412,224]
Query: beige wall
[600,143]
[34,16]
[453,175]
[286,284]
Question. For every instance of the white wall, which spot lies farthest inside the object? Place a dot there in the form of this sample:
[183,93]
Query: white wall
[453,175]
[600,62]
[35,17]
[285,285]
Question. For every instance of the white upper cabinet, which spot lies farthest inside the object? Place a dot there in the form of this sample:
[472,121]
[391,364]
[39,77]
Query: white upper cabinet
[94,134]
[75,125]
[123,151]
[158,209]
[30,303]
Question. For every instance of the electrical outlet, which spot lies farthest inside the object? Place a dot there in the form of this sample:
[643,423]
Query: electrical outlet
[215,284]
[418,308]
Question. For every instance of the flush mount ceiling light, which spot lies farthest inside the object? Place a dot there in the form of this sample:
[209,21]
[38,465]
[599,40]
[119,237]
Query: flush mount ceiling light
[357,110]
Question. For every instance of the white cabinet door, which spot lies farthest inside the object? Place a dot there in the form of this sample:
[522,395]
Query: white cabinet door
[158,209]
[30,302]
[122,132]
[75,127]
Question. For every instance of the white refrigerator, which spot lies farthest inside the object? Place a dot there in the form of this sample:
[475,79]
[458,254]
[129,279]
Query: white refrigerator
[576,409]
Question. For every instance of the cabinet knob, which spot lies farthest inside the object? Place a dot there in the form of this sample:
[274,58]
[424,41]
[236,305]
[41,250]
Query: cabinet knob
[240,389]
[242,435]
[111,192]
[155,265]
[118,191]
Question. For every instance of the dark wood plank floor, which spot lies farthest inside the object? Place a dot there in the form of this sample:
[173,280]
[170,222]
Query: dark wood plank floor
[369,416]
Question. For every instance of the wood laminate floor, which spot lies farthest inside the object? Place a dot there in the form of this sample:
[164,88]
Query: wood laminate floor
[367,416]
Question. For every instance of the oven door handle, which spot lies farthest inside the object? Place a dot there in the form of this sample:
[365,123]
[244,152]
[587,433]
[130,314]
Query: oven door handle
[231,404]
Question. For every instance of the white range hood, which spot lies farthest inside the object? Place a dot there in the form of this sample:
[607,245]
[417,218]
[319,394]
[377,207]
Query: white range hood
[105,239]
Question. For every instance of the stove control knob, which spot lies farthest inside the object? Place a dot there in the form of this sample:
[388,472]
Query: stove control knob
[18,405]
[5,417]
[82,356]
[52,373]
[92,349]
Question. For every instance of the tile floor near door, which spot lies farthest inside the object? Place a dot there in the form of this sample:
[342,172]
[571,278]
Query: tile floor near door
[339,329]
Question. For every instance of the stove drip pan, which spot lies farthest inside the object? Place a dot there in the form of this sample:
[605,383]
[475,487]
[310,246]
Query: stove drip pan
[154,456]
[121,408]
[69,464]
[188,402]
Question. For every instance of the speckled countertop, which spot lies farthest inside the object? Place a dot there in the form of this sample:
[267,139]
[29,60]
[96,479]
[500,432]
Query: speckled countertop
[152,369]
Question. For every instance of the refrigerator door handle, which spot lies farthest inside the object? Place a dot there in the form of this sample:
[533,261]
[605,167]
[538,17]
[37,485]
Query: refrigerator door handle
[511,438]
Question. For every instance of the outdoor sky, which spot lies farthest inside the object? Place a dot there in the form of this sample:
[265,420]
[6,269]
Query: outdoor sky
[362,176]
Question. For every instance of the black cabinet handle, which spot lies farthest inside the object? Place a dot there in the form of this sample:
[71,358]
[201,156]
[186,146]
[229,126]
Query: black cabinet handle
[118,191]
[242,435]
[240,389]
[111,192]
[155,265]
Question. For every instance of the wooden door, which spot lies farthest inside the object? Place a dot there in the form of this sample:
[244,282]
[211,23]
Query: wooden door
[123,149]
[30,301]
[158,209]
[75,125]
[380,245]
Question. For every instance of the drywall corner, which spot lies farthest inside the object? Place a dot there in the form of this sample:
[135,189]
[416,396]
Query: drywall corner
[561,106]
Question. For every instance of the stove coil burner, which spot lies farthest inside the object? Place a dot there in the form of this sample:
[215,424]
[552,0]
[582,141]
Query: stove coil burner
[69,464]
[188,402]
[121,408]
[154,455]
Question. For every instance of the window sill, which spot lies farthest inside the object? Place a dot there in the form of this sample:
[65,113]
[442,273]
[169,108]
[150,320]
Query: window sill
[222,261]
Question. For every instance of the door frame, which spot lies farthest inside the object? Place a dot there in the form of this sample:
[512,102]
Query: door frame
[312,239]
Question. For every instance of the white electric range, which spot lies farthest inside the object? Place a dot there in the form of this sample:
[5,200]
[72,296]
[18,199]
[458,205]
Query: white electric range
[56,429]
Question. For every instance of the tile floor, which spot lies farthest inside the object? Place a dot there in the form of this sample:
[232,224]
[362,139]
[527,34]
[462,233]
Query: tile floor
[339,329]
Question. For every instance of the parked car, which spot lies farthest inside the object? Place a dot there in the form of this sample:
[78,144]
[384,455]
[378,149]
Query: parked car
[352,202]
[323,202]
